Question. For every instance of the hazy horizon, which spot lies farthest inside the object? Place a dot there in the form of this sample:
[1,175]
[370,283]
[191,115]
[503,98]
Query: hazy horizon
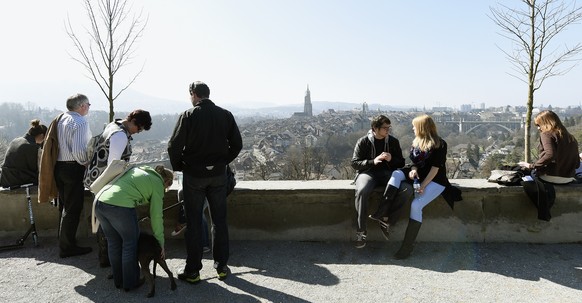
[261,53]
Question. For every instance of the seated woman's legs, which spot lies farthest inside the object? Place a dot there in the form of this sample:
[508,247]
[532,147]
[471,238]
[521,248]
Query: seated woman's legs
[431,192]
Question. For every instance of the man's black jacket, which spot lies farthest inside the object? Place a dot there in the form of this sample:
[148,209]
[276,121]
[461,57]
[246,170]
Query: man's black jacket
[206,138]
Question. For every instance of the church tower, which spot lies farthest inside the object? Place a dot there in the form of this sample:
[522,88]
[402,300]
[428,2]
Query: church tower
[307,107]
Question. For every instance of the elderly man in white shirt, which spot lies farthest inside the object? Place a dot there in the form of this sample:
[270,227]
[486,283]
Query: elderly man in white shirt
[73,135]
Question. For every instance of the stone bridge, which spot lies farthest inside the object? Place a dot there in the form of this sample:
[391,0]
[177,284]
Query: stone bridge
[469,126]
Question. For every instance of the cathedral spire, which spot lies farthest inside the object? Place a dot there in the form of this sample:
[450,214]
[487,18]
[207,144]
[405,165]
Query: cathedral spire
[307,107]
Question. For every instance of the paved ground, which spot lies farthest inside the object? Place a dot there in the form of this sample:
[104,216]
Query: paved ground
[315,272]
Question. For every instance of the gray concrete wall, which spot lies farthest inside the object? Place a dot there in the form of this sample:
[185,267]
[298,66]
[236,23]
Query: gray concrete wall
[324,211]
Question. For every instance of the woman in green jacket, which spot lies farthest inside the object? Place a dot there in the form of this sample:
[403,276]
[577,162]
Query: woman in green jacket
[115,209]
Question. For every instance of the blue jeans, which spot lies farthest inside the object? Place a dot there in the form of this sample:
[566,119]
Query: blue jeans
[431,192]
[122,232]
[196,191]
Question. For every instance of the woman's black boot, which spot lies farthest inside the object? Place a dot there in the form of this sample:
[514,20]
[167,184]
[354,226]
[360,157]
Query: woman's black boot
[409,238]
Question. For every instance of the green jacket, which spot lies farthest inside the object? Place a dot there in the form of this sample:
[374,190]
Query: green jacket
[139,186]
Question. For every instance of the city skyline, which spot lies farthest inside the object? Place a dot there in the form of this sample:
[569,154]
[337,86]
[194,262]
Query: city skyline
[262,53]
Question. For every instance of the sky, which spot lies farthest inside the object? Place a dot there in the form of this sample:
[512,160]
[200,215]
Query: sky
[263,53]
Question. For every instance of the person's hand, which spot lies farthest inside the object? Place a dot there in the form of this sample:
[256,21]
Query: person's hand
[524,164]
[412,174]
[381,157]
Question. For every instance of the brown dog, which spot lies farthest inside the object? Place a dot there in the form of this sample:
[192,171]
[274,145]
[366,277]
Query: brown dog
[149,249]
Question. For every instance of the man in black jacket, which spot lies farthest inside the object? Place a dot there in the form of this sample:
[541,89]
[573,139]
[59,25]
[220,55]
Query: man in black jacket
[376,155]
[205,140]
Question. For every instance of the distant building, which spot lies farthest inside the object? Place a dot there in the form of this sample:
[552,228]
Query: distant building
[365,108]
[466,107]
[307,106]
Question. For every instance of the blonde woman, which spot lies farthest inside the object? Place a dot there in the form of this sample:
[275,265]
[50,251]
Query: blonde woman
[428,155]
[117,215]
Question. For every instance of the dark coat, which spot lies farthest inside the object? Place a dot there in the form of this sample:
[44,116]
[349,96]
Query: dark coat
[206,138]
[21,162]
[365,152]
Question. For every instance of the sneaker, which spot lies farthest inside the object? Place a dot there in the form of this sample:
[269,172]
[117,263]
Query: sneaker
[180,227]
[383,221]
[190,277]
[222,271]
[360,239]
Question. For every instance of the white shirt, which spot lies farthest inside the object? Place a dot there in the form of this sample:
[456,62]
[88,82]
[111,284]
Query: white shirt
[117,143]
[73,135]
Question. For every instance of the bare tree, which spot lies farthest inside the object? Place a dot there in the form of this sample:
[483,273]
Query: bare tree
[264,166]
[531,28]
[112,38]
[292,169]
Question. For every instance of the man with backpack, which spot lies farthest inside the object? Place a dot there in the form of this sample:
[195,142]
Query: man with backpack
[114,143]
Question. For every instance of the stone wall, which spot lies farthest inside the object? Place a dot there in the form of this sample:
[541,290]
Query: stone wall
[324,211]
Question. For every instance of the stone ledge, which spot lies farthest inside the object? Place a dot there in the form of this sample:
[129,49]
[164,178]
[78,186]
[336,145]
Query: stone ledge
[324,211]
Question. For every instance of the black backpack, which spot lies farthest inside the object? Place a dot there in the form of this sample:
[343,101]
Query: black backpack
[508,175]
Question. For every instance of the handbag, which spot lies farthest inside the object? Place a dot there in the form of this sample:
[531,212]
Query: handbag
[115,168]
[506,177]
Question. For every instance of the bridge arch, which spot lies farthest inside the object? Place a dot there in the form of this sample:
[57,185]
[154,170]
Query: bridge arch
[507,129]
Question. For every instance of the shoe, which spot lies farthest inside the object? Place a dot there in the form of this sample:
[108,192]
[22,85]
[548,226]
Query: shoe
[223,272]
[205,249]
[383,221]
[360,239]
[192,278]
[179,229]
[75,251]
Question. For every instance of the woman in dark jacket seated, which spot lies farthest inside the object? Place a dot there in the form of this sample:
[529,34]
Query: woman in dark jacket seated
[557,162]
[21,160]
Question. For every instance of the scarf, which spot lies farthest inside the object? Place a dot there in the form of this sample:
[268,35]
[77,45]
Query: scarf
[418,156]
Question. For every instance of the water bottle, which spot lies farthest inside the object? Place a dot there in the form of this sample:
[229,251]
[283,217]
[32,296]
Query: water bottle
[416,186]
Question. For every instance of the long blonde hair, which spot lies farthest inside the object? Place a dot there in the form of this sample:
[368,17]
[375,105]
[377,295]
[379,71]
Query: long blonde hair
[426,137]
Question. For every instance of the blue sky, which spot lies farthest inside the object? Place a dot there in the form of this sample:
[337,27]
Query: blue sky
[265,52]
